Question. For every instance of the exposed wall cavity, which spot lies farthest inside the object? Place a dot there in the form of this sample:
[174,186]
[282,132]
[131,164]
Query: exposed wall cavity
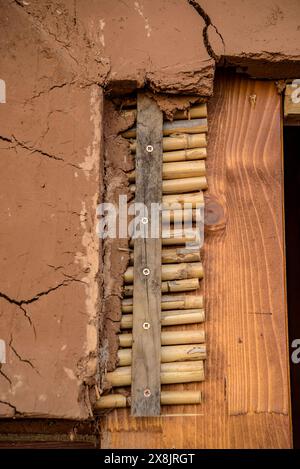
[118,161]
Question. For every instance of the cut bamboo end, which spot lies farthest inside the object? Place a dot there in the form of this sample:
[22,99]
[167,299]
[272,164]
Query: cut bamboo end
[170,318]
[178,271]
[170,286]
[170,353]
[176,255]
[184,169]
[179,142]
[171,373]
[179,126]
[170,338]
[176,186]
[169,302]
[184,155]
[112,401]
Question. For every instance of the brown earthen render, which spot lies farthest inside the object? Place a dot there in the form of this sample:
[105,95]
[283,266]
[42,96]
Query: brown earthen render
[67,65]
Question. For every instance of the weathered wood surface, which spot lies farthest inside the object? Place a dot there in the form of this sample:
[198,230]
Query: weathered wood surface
[246,391]
[145,390]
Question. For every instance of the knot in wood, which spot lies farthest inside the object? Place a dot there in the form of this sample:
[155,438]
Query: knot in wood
[215,217]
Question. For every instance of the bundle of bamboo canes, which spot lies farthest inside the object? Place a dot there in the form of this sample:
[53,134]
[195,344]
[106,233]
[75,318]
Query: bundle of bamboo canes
[184,179]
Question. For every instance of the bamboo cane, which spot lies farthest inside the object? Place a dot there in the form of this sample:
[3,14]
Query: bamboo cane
[174,237]
[184,155]
[176,186]
[180,216]
[111,401]
[180,285]
[181,169]
[171,318]
[114,401]
[196,199]
[179,142]
[174,201]
[176,367]
[180,397]
[170,353]
[176,255]
[181,372]
[170,286]
[170,302]
[182,270]
[182,302]
[196,111]
[187,316]
[170,338]
[185,126]
[192,126]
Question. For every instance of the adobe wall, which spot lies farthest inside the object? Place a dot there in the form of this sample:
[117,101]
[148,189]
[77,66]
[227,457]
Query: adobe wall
[58,58]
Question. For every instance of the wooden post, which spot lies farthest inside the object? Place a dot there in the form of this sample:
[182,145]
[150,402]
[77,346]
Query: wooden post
[145,387]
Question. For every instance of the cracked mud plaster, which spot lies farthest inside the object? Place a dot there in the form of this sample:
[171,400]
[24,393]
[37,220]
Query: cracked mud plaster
[205,32]
[49,251]
[260,38]
[98,44]
[53,56]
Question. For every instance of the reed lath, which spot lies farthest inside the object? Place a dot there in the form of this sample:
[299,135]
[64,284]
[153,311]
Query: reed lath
[182,349]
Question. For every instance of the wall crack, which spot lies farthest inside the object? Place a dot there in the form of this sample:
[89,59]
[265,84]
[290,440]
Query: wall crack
[16,412]
[24,360]
[5,375]
[15,143]
[208,23]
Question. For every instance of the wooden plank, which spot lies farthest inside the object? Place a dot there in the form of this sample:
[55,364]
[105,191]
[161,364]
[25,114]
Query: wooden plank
[145,388]
[246,389]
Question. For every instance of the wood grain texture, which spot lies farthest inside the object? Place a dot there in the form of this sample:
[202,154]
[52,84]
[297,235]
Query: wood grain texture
[246,391]
[147,255]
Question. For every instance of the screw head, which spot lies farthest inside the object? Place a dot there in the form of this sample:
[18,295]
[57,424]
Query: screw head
[146,271]
[146,325]
[149,148]
[144,220]
[147,392]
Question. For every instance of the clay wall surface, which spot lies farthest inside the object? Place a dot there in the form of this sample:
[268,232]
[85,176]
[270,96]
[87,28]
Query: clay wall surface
[58,60]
